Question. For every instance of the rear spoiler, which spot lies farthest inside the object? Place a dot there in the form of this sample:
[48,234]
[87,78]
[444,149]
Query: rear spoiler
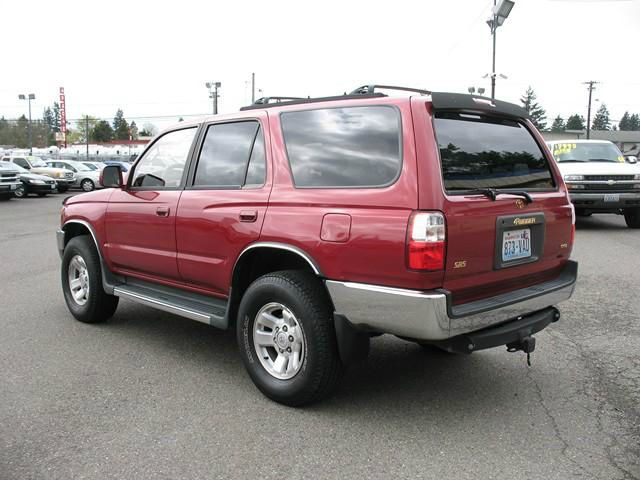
[443,102]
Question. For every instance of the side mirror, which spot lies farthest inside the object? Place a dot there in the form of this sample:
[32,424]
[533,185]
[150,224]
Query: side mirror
[632,159]
[111,177]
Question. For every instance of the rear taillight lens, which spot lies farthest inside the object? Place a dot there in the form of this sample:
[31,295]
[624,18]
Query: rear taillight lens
[426,241]
[573,226]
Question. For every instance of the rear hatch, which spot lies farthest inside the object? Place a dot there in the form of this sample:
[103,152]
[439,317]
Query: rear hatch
[508,220]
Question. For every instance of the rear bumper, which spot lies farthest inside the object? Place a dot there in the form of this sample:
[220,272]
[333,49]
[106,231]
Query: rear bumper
[430,316]
[595,201]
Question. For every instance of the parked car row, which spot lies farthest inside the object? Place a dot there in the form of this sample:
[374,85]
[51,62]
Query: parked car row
[22,175]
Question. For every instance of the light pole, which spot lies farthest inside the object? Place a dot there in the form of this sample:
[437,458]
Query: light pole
[213,93]
[31,96]
[500,12]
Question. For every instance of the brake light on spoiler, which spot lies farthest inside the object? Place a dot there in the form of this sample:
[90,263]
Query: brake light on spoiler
[426,241]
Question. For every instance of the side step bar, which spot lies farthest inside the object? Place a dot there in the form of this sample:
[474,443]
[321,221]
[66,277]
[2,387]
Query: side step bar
[197,307]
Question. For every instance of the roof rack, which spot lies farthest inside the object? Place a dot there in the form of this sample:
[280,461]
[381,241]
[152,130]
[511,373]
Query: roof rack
[268,100]
[370,89]
[298,101]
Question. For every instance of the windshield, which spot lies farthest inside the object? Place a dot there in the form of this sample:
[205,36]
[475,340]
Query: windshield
[37,162]
[586,152]
[488,152]
[13,167]
[81,167]
[91,166]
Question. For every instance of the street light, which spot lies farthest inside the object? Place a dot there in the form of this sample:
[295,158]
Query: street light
[31,96]
[500,12]
[214,94]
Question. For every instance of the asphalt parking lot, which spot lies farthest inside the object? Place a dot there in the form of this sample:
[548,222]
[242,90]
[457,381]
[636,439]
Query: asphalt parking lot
[150,395]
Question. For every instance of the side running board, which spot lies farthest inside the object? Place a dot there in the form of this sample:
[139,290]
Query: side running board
[197,307]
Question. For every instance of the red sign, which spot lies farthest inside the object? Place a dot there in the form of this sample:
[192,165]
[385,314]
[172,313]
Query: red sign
[63,116]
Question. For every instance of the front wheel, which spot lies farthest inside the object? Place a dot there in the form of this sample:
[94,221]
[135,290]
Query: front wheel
[82,282]
[20,191]
[287,339]
[62,189]
[632,217]
[87,185]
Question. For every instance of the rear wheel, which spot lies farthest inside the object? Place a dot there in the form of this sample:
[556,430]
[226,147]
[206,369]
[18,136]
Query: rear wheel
[632,217]
[42,194]
[62,189]
[287,339]
[82,282]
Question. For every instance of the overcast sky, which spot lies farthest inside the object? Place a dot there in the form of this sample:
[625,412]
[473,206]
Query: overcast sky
[152,59]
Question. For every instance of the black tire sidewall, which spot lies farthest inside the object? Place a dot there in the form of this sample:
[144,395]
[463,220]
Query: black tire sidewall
[20,188]
[632,217]
[258,295]
[83,247]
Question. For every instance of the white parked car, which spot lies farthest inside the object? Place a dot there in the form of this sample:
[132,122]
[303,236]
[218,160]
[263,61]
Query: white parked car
[97,166]
[86,178]
[598,178]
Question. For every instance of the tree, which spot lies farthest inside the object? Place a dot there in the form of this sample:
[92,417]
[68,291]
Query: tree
[81,129]
[148,130]
[634,122]
[56,127]
[558,124]
[536,112]
[601,119]
[120,126]
[102,132]
[624,122]
[575,122]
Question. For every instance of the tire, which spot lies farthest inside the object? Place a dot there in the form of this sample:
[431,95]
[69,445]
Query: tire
[87,185]
[42,194]
[319,369]
[20,191]
[583,213]
[95,305]
[6,197]
[632,217]
[62,189]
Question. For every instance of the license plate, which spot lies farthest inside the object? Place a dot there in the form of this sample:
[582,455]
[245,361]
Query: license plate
[53,187]
[516,244]
[13,187]
[612,197]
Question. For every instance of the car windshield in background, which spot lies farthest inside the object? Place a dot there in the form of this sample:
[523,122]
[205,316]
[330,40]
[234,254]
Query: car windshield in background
[81,167]
[586,152]
[483,152]
[37,162]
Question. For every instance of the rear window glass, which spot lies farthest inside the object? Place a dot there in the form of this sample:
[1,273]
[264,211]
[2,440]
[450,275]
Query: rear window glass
[343,147]
[484,152]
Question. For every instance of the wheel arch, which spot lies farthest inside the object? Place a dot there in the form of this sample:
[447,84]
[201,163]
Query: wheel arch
[261,258]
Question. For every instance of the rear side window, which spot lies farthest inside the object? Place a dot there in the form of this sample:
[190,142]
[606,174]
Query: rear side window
[229,156]
[343,147]
[485,152]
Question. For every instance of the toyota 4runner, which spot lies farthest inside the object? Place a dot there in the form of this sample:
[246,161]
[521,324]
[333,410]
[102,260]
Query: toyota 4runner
[311,225]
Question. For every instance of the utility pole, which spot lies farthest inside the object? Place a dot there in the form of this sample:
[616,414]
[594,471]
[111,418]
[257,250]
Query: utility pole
[253,88]
[213,94]
[86,133]
[591,87]
[499,14]
[494,28]
[29,97]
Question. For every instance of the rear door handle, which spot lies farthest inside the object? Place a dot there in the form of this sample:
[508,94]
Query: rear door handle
[163,211]
[248,215]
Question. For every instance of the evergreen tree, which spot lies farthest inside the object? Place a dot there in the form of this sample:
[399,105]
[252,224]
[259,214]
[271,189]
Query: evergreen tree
[634,122]
[79,135]
[102,132]
[56,117]
[536,112]
[575,122]
[601,119]
[625,122]
[558,124]
[120,126]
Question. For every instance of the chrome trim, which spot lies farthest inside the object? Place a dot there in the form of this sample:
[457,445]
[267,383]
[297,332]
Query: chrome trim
[164,306]
[424,315]
[91,231]
[281,246]
[60,241]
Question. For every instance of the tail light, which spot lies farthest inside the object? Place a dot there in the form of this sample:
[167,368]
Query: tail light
[573,226]
[426,241]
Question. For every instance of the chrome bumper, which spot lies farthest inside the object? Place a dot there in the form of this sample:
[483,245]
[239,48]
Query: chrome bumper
[60,241]
[430,315]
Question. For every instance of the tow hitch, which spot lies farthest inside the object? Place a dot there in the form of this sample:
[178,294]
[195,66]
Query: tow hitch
[526,344]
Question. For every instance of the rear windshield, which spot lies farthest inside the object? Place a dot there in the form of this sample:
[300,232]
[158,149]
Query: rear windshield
[586,152]
[484,152]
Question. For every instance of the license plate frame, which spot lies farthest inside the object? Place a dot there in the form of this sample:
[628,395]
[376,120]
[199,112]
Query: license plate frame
[516,244]
[611,197]
[535,222]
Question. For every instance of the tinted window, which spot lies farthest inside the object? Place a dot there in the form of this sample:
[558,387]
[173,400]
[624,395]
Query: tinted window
[163,164]
[480,152]
[343,147]
[22,162]
[225,154]
[257,163]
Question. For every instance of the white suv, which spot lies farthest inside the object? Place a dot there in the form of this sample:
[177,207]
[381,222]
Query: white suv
[598,178]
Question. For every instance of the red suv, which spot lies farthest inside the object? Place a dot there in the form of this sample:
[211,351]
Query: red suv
[310,225]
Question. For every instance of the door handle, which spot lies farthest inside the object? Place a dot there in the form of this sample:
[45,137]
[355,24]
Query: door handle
[248,215]
[163,211]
